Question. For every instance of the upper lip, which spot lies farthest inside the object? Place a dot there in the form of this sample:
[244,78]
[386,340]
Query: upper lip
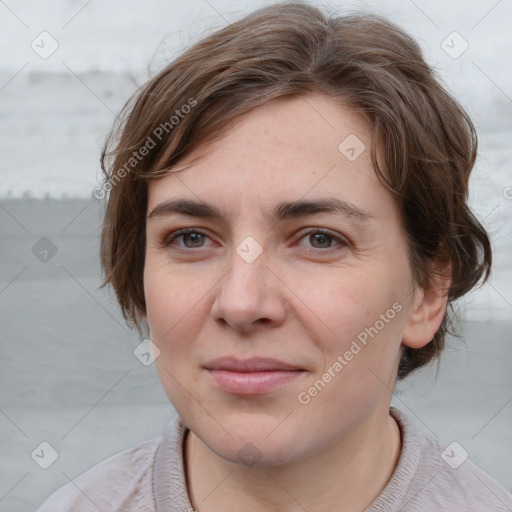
[256,364]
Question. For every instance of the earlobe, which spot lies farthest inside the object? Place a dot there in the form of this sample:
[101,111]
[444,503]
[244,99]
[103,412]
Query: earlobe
[427,312]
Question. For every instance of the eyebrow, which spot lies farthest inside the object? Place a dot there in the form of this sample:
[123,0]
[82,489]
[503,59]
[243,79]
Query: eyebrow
[282,211]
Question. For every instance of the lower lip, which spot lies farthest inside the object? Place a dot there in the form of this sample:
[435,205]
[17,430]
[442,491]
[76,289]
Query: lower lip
[252,383]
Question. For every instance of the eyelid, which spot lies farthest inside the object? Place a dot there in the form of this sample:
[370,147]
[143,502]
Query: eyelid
[184,231]
[342,241]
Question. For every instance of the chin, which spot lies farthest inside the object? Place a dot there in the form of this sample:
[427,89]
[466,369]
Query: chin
[255,452]
[249,439]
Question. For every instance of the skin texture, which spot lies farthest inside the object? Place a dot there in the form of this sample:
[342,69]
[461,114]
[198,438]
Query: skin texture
[303,301]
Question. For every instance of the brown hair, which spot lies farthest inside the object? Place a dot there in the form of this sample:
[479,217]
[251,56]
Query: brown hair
[427,140]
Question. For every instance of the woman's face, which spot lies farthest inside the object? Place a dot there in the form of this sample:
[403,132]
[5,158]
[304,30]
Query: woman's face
[279,321]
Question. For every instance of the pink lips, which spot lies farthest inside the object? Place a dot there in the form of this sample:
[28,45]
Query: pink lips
[251,376]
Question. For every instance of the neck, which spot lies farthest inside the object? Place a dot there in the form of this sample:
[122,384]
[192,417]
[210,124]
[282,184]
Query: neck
[348,476]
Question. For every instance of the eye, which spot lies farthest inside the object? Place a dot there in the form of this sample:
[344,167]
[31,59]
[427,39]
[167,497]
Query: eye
[191,238]
[322,239]
[195,239]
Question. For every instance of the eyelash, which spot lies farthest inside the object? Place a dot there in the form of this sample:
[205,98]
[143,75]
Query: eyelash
[341,241]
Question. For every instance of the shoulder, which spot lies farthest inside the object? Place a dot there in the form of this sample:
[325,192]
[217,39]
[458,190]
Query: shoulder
[456,481]
[121,482]
[442,477]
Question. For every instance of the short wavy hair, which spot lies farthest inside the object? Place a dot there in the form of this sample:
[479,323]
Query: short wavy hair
[427,141]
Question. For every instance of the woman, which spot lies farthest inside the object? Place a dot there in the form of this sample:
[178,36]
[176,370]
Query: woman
[287,223]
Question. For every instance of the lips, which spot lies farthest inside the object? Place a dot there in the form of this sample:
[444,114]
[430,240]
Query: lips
[249,365]
[251,376]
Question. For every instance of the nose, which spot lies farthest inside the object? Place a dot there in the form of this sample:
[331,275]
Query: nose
[250,294]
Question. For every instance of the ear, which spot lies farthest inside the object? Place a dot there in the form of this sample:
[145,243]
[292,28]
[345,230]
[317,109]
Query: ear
[427,309]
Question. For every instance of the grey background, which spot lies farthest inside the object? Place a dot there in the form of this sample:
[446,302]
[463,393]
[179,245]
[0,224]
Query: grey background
[68,373]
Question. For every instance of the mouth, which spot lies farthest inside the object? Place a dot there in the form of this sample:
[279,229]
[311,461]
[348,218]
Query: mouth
[251,377]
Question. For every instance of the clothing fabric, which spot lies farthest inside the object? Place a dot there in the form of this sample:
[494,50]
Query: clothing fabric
[150,478]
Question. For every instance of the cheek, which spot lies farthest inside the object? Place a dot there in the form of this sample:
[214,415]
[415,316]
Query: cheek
[365,316]
[172,298]
[365,313]
[350,300]
[173,308]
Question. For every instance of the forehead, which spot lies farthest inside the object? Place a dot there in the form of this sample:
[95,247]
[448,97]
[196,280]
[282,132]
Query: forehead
[287,149]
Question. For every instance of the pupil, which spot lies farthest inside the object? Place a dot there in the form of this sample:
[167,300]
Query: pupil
[323,238]
[195,237]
